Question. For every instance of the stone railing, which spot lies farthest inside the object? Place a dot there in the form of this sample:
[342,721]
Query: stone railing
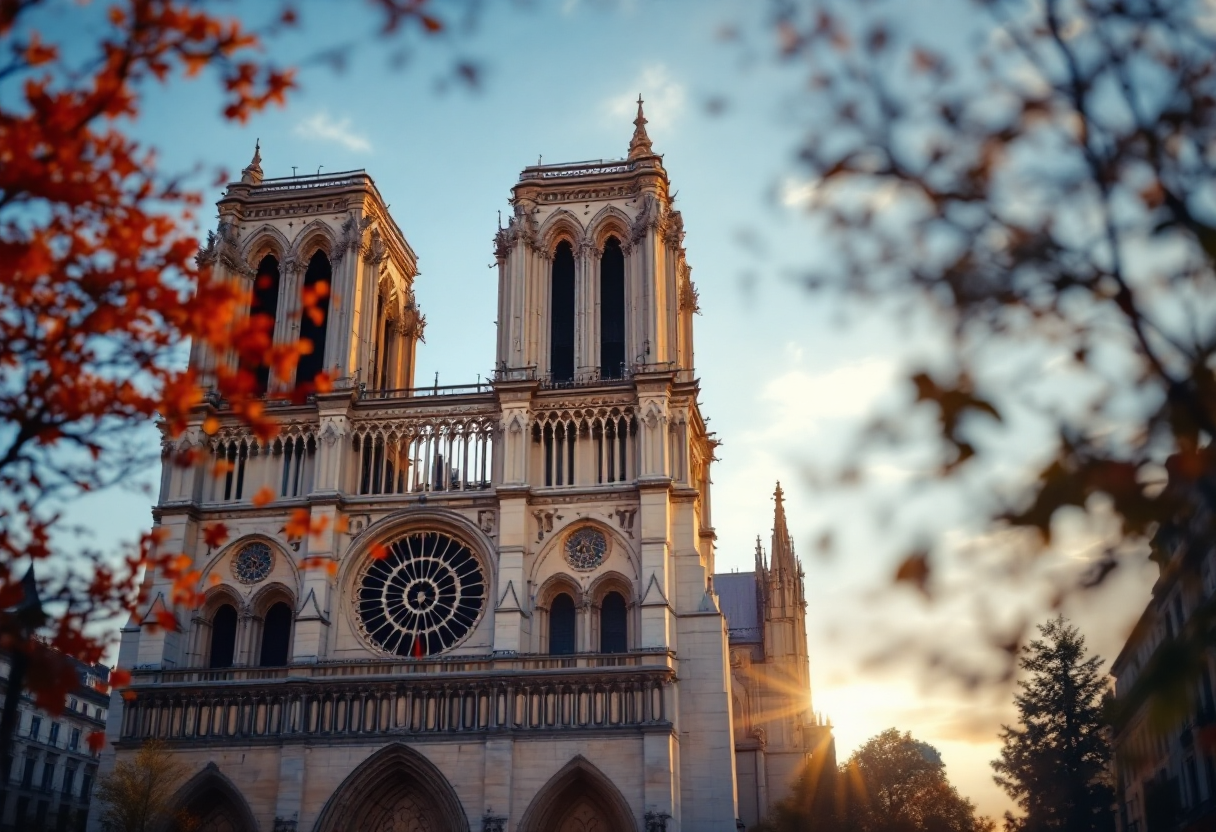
[393,668]
[302,709]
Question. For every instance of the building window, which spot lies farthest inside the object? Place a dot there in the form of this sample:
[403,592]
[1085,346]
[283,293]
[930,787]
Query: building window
[612,310]
[35,727]
[313,326]
[265,305]
[27,776]
[614,631]
[23,809]
[48,774]
[223,636]
[86,786]
[69,780]
[54,733]
[72,703]
[74,739]
[561,314]
[276,636]
[561,625]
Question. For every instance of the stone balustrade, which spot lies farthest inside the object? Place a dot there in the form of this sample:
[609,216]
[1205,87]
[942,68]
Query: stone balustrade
[300,709]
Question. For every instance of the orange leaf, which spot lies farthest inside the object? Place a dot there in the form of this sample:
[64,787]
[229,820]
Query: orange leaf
[264,496]
[96,741]
[215,535]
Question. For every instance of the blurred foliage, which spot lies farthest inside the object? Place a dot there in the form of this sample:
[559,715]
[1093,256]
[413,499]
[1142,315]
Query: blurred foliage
[1041,189]
[100,283]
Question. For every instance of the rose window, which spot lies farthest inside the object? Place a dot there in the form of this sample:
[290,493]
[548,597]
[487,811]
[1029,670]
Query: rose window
[253,563]
[585,548]
[423,597]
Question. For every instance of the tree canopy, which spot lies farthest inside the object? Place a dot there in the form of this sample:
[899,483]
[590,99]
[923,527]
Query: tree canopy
[1055,763]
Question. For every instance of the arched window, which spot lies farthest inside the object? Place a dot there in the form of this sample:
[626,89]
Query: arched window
[276,636]
[313,326]
[266,305]
[614,630]
[561,625]
[612,310]
[223,636]
[561,314]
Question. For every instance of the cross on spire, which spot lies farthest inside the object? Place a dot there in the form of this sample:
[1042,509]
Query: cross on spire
[639,145]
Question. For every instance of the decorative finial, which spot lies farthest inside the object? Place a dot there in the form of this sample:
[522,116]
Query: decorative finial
[639,145]
[252,174]
[778,494]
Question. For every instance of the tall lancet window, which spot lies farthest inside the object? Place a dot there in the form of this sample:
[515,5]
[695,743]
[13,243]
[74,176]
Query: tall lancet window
[561,314]
[612,310]
[313,326]
[265,303]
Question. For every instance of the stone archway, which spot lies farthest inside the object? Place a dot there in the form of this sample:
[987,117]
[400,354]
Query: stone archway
[212,804]
[579,798]
[394,790]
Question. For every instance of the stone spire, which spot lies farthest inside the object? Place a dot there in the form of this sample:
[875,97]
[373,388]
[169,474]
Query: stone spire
[639,145]
[252,175]
[760,564]
[782,551]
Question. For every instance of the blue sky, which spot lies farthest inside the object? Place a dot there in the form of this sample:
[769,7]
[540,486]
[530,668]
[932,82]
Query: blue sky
[786,376]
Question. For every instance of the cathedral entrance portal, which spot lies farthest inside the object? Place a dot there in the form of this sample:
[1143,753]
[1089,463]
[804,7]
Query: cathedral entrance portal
[394,790]
[579,798]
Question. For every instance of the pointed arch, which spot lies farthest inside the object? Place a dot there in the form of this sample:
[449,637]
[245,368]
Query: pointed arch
[562,299]
[558,226]
[314,328]
[262,241]
[610,221]
[215,802]
[579,787]
[396,780]
[318,235]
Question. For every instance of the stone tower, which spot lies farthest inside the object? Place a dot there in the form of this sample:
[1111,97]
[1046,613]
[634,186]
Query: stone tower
[503,617]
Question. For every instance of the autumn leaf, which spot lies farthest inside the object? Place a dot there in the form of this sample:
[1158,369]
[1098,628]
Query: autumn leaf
[215,535]
[264,496]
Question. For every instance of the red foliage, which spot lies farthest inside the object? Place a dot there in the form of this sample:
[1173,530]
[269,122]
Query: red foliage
[98,282]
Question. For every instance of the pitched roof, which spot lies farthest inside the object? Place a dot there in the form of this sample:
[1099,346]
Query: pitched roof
[738,596]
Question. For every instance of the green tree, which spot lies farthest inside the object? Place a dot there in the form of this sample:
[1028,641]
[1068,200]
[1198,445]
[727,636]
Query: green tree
[1055,762]
[137,795]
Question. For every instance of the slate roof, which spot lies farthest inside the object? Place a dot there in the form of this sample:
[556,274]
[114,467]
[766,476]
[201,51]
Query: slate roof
[738,596]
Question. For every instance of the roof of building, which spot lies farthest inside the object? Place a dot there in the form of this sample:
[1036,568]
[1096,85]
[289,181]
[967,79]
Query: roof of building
[738,598]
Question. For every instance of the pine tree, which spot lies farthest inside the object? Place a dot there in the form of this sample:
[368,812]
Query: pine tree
[1055,763]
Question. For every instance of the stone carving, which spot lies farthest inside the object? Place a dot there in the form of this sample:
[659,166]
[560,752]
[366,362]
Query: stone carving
[351,237]
[485,520]
[656,821]
[673,232]
[376,251]
[223,247]
[493,823]
[544,523]
[690,300]
[625,517]
[520,228]
[412,323]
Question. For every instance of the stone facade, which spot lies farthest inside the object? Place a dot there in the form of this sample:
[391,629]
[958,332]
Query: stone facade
[54,767]
[507,620]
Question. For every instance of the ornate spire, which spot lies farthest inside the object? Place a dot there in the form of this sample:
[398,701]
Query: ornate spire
[639,145]
[252,174]
[760,565]
[782,551]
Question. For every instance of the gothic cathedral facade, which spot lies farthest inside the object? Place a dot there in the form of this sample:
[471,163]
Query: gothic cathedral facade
[505,615]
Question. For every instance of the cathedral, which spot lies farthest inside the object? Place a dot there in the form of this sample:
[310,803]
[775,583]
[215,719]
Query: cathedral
[509,619]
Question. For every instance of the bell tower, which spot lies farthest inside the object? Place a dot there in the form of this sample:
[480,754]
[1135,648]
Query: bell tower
[328,236]
[593,280]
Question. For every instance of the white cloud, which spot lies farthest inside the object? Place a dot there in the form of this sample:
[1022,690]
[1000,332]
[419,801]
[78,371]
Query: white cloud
[665,98]
[322,127]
